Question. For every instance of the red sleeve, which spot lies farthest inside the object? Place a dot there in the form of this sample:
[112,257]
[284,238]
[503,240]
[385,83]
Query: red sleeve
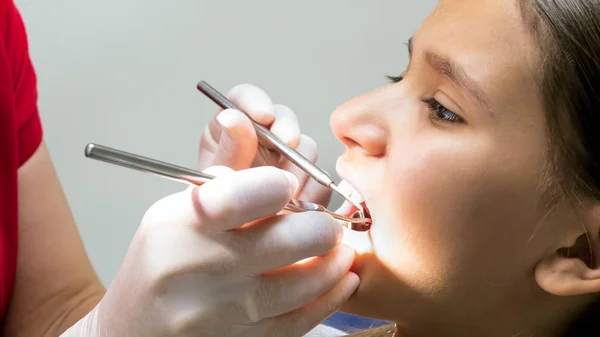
[24,84]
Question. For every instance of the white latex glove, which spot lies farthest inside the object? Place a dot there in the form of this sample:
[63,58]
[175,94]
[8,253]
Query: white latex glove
[230,140]
[218,260]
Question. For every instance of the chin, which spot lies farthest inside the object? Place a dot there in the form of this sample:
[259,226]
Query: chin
[390,289]
[384,288]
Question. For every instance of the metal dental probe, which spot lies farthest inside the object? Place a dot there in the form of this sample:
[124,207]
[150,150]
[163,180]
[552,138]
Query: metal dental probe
[271,142]
[185,175]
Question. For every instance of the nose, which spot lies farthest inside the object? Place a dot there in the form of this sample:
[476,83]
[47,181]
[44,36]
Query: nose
[361,124]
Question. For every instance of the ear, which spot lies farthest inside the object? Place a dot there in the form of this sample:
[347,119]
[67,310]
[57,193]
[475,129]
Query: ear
[574,270]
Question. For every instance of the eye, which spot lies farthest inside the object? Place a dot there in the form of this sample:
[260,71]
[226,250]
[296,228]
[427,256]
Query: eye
[438,111]
[395,79]
[441,113]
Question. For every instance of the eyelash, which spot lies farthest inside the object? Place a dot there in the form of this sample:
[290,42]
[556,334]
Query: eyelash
[438,111]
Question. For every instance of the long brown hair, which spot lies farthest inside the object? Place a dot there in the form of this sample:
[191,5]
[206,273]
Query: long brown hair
[568,34]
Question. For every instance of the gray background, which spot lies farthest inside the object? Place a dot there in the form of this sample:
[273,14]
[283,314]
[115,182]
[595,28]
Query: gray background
[123,73]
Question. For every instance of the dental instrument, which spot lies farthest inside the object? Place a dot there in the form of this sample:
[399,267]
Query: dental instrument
[270,142]
[193,177]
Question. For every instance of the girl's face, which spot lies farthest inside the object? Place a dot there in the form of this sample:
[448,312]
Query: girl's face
[451,162]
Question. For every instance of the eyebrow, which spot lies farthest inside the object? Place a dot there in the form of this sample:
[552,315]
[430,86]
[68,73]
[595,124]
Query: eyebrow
[455,73]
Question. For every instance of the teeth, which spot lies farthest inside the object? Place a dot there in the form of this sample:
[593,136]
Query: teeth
[356,197]
[350,191]
[345,187]
[345,224]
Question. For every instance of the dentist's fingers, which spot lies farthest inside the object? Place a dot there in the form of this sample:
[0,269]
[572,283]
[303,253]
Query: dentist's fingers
[314,192]
[294,286]
[308,148]
[218,171]
[286,126]
[310,189]
[282,240]
[238,143]
[241,197]
[229,138]
[254,101]
[258,105]
[301,321]
[209,143]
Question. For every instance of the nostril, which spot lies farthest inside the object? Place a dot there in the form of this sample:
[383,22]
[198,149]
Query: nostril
[349,142]
[370,137]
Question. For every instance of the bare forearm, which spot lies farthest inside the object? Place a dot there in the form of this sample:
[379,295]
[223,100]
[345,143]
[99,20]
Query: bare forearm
[55,282]
[82,306]
[55,315]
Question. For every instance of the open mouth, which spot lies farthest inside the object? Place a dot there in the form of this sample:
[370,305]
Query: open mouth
[351,211]
[357,214]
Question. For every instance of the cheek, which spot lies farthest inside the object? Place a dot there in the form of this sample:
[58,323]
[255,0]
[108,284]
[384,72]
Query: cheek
[446,211]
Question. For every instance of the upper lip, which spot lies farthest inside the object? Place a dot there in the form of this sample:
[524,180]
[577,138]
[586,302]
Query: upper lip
[347,176]
[349,180]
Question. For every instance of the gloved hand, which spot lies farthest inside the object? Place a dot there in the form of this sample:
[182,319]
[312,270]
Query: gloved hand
[218,260]
[230,140]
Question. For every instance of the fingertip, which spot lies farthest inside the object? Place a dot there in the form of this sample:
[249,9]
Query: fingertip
[254,101]
[234,121]
[286,126]
[309,145]
[352,281]
[226,118]
[344,259]
[237,140]
[309,148]
[347,251]
[218,170]
[293,142]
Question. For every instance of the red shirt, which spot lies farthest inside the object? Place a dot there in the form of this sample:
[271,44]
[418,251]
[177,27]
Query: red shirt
[20,134]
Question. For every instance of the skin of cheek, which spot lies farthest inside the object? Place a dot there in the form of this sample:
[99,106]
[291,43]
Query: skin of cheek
[445,238]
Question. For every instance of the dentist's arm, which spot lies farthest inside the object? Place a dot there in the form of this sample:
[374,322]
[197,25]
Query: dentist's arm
[55,284]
